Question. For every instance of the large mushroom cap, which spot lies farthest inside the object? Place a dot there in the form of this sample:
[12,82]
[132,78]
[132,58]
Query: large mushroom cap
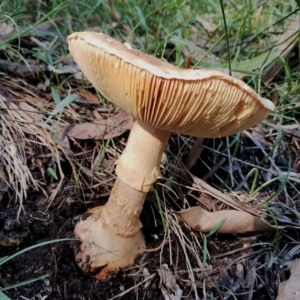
[199,102]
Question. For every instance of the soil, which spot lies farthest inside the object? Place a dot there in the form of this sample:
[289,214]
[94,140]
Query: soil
[65,280]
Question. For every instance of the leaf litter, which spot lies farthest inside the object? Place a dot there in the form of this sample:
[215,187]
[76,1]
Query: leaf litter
[290,289]
[109,128]
[70,143]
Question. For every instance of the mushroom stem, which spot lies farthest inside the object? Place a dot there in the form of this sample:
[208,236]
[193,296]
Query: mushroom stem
[122,211]
[138,166]
[110,234]
[137,170]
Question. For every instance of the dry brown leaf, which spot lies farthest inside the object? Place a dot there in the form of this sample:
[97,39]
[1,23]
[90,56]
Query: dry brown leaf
[88,96]
[110,128]
[259,135]
[20,69]
[62,140]
[291,129]
[5,29]
[69,67]
[236,221]
[194,153]
[201,186]
[251,278]
[290,289]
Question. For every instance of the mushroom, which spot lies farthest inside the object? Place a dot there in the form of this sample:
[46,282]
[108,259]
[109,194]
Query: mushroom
[163,99]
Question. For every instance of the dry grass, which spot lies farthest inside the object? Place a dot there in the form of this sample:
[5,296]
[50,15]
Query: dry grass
[258,168]
[19,133]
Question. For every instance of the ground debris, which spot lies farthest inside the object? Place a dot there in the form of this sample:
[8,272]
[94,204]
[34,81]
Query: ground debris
[290,289]
[265,158]
[105,129]
[169,288]
[234,221]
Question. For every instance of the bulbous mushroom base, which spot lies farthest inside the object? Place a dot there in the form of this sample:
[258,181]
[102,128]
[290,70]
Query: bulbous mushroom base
[103,253]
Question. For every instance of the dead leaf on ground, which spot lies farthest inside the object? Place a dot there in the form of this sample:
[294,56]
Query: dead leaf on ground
[259,135]
[109,128]
[168,285]
[290,288]
[21,69]
[201,186]
[250,279]
[69,67]
[194,153]
[291,129]
[236,221]
[5,29]
[88,96]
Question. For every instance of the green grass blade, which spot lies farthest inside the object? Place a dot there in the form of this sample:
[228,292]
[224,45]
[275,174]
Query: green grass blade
[61,105]
[204,258]
[216,228]
[160,210]
[3,258]
[7,258]
[3,296]
[52,173]
[226,34]
[13,286]
[41,20]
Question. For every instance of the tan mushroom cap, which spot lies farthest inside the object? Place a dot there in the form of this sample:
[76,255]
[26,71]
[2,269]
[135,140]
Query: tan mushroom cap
[197,102]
